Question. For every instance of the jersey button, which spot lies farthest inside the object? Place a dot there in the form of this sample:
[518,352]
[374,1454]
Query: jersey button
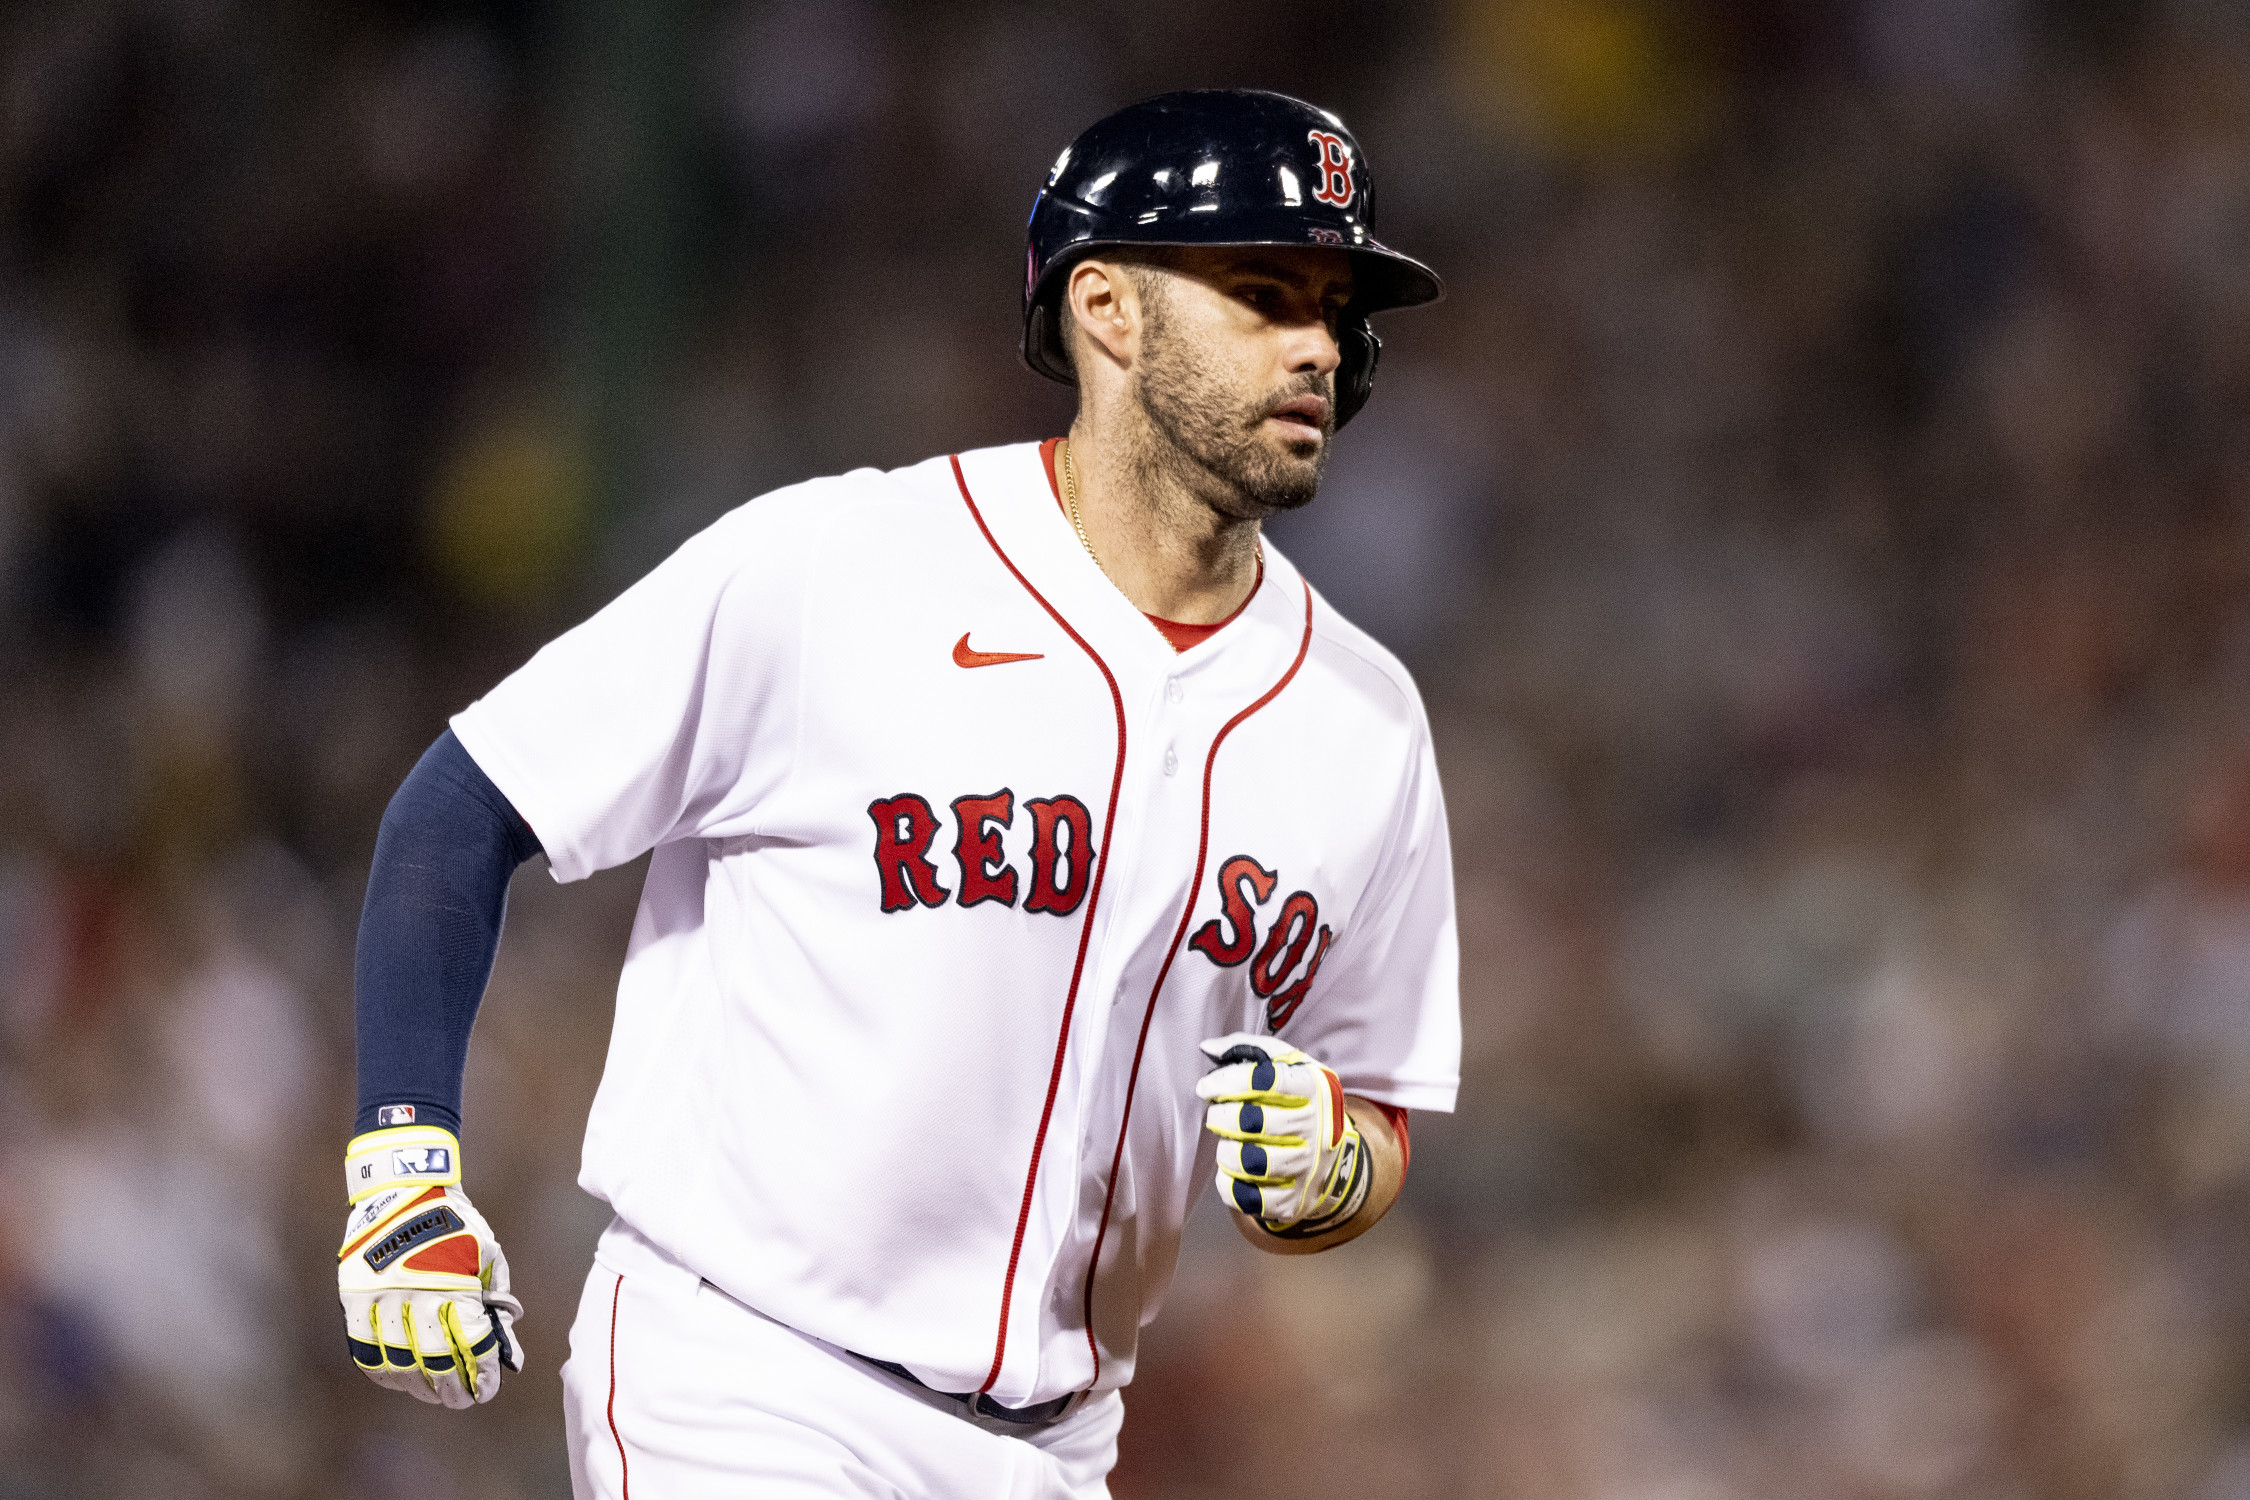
[1172,690]
[1171,761]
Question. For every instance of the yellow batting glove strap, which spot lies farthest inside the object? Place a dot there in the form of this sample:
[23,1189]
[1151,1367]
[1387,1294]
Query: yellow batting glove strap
[426,1155]
[1348,1180]
[449,1319]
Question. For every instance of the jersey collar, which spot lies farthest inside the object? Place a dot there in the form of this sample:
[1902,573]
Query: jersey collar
[1010,490]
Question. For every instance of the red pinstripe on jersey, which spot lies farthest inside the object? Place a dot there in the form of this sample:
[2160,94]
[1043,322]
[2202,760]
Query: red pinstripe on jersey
[1085,931]
[1202,853]
[624,1475]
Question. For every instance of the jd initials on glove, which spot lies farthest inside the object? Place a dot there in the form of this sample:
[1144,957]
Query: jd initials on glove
[425,1288]
[1289,1155]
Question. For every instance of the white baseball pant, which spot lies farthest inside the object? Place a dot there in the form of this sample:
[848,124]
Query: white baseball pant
[677,1391]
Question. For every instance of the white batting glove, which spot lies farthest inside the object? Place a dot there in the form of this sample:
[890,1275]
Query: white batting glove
[427,1308]
[1290,1156]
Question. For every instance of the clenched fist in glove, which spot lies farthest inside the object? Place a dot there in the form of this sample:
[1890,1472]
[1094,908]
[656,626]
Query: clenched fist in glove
[1290,1156]
[425,1288]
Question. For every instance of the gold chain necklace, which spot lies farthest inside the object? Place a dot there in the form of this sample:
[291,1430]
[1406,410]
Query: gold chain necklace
[1070,503]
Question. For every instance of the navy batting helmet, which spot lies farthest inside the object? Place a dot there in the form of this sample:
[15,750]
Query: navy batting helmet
[1217,167]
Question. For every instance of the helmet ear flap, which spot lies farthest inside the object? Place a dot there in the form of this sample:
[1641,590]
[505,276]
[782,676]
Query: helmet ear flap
[1355,374]
[1042,342]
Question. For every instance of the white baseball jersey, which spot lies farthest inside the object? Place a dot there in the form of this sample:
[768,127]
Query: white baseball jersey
[956,861]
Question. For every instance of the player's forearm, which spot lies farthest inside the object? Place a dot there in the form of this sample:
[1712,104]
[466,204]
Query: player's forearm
[436,894]
[1385,1159]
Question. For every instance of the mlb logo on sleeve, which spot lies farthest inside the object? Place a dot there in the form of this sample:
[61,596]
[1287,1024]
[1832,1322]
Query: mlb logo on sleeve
[394,1114]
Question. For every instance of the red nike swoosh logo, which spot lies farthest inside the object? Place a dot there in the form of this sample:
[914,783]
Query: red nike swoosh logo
[964,657]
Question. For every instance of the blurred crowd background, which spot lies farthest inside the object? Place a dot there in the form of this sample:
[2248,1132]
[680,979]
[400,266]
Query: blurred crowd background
[1819,518]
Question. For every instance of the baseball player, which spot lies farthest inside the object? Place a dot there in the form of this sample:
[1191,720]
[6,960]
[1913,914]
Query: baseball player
[1030,845]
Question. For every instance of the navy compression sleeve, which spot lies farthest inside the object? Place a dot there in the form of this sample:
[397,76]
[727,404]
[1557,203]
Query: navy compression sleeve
[450,840]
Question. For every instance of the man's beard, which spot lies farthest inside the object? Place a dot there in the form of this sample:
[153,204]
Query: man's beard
[1211,442]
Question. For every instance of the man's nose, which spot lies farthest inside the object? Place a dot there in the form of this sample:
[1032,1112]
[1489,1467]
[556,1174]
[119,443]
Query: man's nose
[1312,348]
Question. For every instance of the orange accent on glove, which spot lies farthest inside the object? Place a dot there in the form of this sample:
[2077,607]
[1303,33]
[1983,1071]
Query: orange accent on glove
[456,1256]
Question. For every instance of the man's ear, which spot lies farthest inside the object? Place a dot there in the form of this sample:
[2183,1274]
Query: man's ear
[1104,307]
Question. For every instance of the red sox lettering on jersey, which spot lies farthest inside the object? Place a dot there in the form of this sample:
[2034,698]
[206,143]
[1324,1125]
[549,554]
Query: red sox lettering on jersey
[1062,854]
[906,828]
[1228,938]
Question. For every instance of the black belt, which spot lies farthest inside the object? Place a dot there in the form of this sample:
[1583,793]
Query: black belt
[978,1402]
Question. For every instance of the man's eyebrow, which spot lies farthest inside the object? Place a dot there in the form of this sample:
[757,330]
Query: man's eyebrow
[1281,273]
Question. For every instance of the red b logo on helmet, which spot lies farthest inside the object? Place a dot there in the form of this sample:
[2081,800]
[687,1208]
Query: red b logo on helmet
[1335,168]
